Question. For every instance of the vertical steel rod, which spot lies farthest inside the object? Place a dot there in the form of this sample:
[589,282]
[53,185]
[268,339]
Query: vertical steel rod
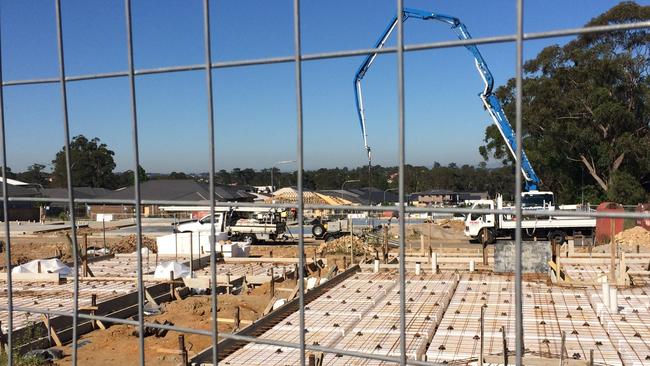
[5,211]
[136,176]
[68,170]
[402,163]
[301,206]
[213,254]
[519,320]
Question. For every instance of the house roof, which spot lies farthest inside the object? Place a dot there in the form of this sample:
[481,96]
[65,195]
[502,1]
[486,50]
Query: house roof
[362,196]
[180,190]
[435,192]
[79,192]
[19,191]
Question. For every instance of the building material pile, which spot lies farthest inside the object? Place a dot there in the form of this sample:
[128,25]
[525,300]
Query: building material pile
[342,246]
[634,236]
[128,244]
[290,195]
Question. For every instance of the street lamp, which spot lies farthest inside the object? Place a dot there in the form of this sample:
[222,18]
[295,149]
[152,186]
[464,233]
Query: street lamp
[273,168]
[347,181]
[386,190]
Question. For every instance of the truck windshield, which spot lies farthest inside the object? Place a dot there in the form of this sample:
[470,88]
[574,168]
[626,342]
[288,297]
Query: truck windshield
[537,200]
[217,219]
[479,206]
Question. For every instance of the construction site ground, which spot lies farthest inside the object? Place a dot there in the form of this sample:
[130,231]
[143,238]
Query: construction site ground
[119,345]
[462,295]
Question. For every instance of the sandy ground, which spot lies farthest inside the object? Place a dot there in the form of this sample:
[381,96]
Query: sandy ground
[117,345]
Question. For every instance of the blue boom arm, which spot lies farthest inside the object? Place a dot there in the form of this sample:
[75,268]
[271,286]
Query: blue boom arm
[491,102]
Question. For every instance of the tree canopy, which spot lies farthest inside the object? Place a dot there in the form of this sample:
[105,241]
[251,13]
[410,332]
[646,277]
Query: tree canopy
[586,113]
[91,161]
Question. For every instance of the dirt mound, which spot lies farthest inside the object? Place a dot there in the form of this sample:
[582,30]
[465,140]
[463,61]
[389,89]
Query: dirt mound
[457,225]
[196,305]
[633,236]
[342,246]
[446,231]
[128,244]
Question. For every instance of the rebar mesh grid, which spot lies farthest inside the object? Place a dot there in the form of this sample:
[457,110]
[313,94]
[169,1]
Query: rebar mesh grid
[519,37]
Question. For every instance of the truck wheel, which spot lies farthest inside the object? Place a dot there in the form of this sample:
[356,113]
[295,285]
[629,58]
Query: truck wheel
[249,239]
[557,236]
[318,230]
[487,236]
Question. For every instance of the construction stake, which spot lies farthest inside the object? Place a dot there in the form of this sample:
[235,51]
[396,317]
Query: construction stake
[612,254]
[505,346]
[563,348]
[171,285]
[480,358]
[52,331]
[182,350]
[237,318]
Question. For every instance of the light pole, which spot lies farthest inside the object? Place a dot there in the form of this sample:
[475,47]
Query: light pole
[347,181]
[273,168]
[386,190]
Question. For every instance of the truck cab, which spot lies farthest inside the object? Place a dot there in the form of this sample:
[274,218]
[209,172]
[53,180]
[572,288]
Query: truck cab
[475,222]
[202,225]
[538,200]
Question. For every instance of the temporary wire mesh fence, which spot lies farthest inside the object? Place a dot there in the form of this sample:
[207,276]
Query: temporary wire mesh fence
[297,59]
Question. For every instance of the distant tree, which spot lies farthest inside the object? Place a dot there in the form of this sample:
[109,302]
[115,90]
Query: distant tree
[34,174]
[586,108]
[125,179]
[91,162]
[222,177]
[10,174]
[178,175]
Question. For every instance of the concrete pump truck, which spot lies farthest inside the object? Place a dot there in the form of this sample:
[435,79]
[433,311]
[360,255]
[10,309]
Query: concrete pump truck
[488,227]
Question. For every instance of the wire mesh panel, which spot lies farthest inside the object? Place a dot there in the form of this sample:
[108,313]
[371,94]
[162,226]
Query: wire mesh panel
[403,308]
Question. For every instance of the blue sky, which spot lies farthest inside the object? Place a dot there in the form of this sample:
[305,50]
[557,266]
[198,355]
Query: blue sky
[255,106]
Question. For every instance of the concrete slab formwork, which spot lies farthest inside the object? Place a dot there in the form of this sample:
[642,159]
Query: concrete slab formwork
[548,312]
[58,297]
[361,314]
[629,327]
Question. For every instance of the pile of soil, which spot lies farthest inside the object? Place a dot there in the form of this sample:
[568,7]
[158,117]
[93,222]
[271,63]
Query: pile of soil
[452,224]
[629,241]
[342,246]
[128,244]
[633,236]
[449,230]
[118,344]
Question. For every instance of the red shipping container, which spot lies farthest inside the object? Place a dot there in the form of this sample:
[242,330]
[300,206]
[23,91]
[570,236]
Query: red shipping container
[643,208]
[604,224]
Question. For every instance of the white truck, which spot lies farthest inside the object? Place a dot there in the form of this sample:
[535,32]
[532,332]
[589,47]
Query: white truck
[248,224]
[488,227]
